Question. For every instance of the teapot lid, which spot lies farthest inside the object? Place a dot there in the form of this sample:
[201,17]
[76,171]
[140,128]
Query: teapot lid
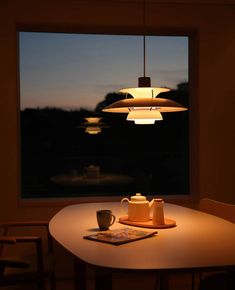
[138,197]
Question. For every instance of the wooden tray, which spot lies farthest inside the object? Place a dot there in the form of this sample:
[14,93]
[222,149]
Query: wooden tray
[169,223]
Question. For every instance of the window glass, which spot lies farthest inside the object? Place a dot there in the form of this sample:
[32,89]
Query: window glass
[66,78]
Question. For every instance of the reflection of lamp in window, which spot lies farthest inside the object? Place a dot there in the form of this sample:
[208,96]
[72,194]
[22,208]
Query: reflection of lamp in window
[92,130]
[93,125]
[144,97]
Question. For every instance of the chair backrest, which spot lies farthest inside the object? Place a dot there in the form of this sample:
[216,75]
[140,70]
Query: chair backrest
[218,208]
[14,273]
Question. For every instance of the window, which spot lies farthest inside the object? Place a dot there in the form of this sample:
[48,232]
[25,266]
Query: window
[65,78]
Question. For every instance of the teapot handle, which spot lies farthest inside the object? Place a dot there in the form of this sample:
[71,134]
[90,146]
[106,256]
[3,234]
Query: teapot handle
[122,201]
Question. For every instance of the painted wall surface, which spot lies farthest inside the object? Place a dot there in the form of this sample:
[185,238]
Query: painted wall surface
[213,90]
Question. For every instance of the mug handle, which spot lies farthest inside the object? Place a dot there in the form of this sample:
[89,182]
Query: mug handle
[114,218]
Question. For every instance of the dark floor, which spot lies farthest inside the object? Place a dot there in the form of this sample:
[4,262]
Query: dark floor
[128,281]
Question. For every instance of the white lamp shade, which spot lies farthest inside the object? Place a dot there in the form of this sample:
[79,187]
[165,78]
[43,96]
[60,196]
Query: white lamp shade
[144,114]
[144,121]
[144,117]
[162,105]
[144,92]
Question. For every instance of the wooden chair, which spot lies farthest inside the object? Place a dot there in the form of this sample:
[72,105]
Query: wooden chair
[7,263]
[218,208]
[24,270]
[219,280]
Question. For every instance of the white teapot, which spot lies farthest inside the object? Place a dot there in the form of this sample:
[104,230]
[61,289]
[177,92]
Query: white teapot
[138,208]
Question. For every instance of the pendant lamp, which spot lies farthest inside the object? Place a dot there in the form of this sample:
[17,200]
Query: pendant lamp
[144,107]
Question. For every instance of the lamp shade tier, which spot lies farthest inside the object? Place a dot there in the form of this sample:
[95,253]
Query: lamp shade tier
[144,117]
[160,104]
[144,92]
[144,121]
[92,130]
[93,120]
[135,115]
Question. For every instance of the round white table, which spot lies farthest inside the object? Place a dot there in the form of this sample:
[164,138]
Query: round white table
[199,241]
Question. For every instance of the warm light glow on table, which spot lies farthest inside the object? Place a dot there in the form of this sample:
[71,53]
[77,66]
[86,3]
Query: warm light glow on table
[199,240]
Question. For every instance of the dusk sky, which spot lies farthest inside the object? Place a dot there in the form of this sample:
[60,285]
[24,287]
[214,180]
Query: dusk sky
[73,70]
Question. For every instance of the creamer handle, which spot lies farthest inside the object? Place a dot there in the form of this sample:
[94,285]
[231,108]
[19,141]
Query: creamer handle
[124,199]
[151,205]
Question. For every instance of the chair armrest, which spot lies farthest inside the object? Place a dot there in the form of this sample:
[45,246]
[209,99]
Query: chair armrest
[27,239]
[7,240]
[6,226]
[24,224]
[13,264]
[38,247]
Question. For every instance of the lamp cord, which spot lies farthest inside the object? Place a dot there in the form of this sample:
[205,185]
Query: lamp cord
[144,32]
[144,55]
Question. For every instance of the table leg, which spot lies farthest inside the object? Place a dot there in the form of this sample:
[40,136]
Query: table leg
[103,279]
[163,281]
[80,276]
[230,279]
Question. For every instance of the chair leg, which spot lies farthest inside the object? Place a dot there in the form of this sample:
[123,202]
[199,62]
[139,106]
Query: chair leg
[103,279]
[52,281]
[163,281]
[80,274]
